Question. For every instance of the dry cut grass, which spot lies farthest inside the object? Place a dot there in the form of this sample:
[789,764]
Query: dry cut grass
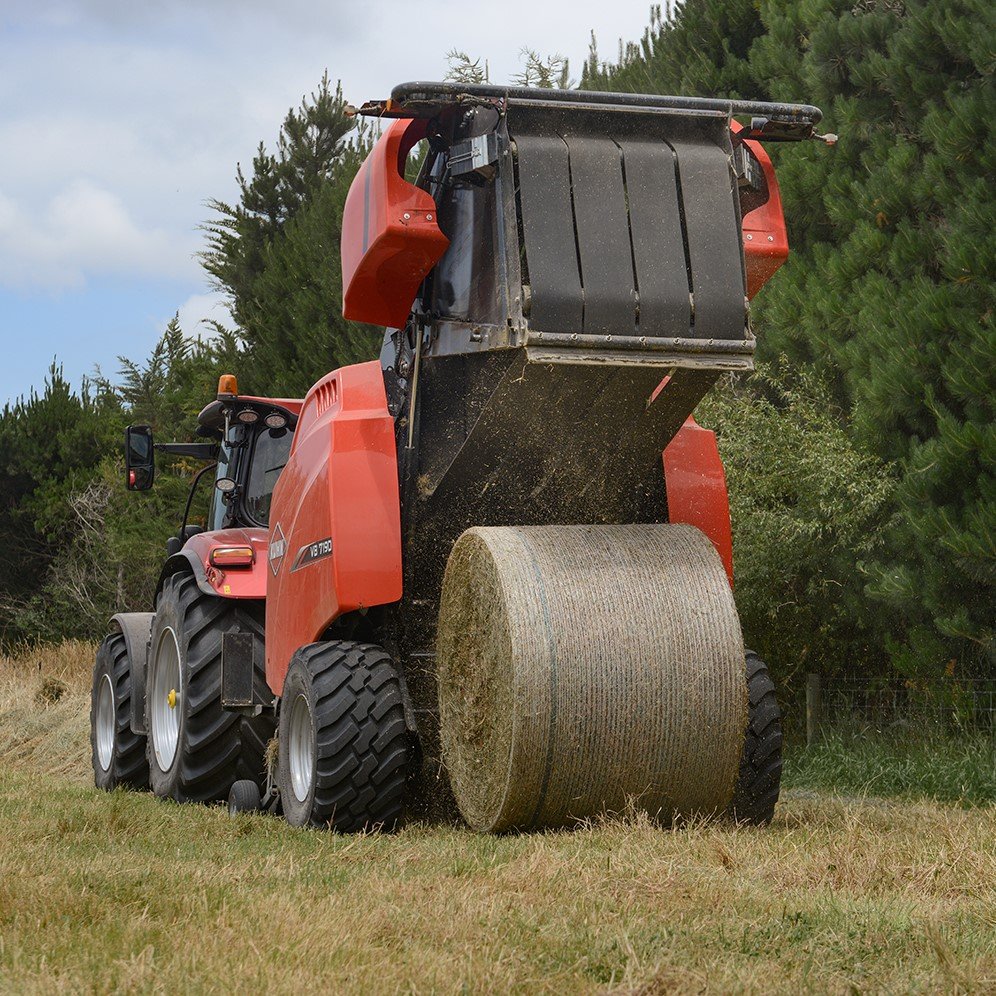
[125,893]
[45,709]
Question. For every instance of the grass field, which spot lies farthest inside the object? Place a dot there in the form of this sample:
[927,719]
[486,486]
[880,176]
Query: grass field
[120,892]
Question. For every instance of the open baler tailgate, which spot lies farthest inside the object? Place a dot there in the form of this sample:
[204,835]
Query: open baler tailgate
[631,232]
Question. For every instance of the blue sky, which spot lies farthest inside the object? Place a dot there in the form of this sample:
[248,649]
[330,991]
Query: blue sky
[119,119]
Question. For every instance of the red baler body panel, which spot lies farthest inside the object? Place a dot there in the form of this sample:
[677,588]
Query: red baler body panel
[696,487]
[390,237]
[335,520]
[233,582]
[765,237]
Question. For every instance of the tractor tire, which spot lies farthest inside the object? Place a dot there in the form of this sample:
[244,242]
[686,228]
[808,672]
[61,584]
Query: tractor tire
[117,754]
[196,749]
[759,780]
[344,743]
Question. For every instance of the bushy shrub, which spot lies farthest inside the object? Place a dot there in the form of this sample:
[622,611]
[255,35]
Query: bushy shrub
[809,511]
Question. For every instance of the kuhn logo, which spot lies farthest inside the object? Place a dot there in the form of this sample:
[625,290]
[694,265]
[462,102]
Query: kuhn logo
[278,547]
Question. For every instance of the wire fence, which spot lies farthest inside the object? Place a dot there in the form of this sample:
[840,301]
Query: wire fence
[924,709]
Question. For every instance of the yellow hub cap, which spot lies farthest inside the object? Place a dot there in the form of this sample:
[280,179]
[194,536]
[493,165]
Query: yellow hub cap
[171,698]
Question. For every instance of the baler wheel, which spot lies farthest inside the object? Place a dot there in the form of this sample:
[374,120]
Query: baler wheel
[197,749]
[244,797]
[118,755]
[758,783]
[344,744]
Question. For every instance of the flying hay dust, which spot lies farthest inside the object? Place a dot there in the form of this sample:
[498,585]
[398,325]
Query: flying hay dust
[582,668]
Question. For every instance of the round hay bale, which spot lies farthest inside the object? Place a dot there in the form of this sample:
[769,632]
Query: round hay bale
[583,669]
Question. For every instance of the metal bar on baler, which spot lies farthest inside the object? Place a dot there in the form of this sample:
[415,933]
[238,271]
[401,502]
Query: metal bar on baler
[424,90]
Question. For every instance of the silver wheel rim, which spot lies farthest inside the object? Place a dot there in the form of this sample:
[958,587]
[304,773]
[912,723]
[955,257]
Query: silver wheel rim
[105,723]
[300,750]
[166,699]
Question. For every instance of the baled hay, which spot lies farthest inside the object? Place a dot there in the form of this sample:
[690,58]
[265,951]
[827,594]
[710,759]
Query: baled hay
[582,668]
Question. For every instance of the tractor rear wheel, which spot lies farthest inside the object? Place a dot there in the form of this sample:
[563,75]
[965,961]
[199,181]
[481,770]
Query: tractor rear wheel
[344,744]
[197,749]
[760,776]
[117,754]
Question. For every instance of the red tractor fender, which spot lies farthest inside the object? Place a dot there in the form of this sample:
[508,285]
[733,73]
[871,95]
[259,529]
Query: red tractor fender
[335,518]
[696,487]
[241,581]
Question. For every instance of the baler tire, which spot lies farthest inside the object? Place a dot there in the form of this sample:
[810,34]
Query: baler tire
[214,746]
[244,797]
[342,715]
[123,751]
[759,780]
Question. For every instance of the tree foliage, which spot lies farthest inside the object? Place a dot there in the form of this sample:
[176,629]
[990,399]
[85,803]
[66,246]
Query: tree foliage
[75,545]
[275,253]
[888,292]
[810,510]
[861,460]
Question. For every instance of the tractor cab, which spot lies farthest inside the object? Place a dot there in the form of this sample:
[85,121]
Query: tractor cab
[253,442]
[248,440]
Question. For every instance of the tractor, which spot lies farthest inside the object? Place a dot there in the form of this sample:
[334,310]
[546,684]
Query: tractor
[488,576]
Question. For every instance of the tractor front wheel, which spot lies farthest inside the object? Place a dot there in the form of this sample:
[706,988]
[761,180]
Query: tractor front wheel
[118,755]
[197,750]
[344,745]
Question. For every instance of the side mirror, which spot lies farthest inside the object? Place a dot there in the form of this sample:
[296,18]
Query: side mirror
[140,461]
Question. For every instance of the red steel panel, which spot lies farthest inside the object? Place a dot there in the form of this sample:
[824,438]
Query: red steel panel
[696,487]
[335,520]
[390,238]
[764,235]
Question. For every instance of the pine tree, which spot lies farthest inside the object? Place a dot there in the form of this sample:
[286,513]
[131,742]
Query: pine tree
[696,48]
[51,444]
[888,291]
[891,290]
[276,252]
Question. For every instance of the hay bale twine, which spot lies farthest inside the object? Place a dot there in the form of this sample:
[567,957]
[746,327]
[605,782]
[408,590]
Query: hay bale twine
[582,668]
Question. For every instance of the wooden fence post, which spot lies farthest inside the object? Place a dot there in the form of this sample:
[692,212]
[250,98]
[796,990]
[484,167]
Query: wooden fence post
[814,708]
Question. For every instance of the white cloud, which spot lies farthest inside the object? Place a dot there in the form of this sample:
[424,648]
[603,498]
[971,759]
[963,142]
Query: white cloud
[119,120]
[199,309]
[84,230]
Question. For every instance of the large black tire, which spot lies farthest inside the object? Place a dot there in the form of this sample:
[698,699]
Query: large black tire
[342,715]
[214,747]
[117,754]
[760,777]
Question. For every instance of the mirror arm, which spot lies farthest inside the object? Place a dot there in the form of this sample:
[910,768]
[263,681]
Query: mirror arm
[190,500]
[199,451]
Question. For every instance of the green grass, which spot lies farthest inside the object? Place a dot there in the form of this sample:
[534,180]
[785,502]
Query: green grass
[122,892]
[947,769]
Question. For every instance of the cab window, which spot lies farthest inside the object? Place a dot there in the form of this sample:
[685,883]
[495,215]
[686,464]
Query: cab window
[269,456]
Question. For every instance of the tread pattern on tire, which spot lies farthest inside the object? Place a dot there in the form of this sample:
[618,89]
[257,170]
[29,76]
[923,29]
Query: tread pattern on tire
[129,765]
[216,747]
[244,796]
[362,740]
[760,776]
